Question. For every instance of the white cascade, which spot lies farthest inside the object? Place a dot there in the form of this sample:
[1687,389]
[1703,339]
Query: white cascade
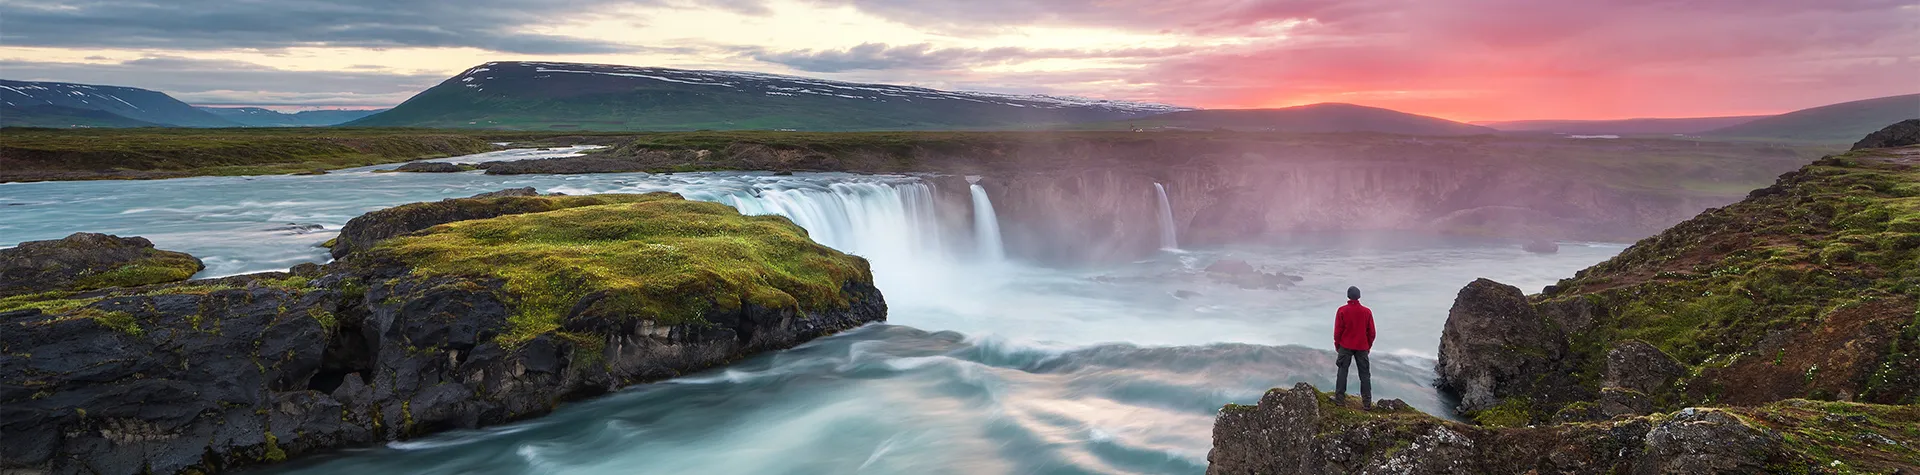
[986,226]
[1168,240]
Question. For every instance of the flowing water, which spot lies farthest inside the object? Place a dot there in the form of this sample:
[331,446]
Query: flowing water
[987,364]
[1169,237]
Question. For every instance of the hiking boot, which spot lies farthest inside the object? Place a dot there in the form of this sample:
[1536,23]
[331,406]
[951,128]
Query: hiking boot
[1337,399]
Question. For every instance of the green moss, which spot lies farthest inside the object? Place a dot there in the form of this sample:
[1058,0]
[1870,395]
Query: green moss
[54,302]
[657,257]
[1512,412]
[158,267]
[327,319]
[274,453]
[1826,238]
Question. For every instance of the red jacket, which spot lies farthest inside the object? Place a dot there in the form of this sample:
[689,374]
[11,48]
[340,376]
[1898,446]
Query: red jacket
[1353,327]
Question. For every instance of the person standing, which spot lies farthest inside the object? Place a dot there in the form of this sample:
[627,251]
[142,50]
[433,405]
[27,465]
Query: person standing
[1352,338]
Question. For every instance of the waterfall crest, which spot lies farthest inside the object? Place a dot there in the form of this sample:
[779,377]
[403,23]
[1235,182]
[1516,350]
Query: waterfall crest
[1167,238]
[986,226]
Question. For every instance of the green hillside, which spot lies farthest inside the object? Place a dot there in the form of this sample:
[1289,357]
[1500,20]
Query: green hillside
[1838,123]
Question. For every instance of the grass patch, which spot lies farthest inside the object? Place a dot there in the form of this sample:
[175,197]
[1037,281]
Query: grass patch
[661,258]
[157,267]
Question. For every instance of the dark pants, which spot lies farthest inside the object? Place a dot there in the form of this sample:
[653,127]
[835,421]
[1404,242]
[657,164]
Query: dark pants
[1366,379]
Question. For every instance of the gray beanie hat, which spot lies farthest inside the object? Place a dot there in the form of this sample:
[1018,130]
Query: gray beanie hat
[1353,293]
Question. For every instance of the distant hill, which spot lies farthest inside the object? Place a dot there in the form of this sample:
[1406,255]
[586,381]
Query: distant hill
[1839,123]
[1689,125]
[25,100]
[563,96]
[52,116]
[1315,118]
[259,117]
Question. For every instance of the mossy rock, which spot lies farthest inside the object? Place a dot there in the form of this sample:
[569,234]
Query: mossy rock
[656,257]
[87,261]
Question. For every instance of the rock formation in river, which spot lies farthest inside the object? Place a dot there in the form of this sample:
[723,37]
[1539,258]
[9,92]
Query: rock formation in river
[503,311]
[1779,334]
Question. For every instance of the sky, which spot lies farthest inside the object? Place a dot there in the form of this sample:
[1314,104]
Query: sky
[1458,59]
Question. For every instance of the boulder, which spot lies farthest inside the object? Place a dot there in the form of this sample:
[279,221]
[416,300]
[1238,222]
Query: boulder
[85,261]
[1541,246]
[431,167]
[1244,275]
[1636,365]
[1493,346]
[1900,134]
[1706,441]
[1231,267]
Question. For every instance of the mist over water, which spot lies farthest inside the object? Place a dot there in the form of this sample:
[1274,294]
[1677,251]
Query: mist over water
[987,364]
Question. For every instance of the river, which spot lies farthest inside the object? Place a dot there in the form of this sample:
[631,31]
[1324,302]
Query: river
[987,364]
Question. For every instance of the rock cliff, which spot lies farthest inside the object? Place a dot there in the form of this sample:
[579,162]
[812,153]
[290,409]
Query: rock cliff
[482,318]
[1778,334]
[1300,430]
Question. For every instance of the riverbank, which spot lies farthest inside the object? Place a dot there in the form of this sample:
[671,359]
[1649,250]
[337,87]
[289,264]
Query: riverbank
[28,154]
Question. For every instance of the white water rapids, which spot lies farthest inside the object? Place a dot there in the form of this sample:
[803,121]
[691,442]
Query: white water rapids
[986,365]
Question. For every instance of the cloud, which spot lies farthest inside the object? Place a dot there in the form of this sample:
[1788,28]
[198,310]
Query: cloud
[496,25]
[1493,58]
[199,81]
[925,57]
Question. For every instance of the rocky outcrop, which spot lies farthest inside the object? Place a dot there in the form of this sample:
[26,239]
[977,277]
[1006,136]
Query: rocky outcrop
[391,342]
[1244,275]
[361,232]
[430,167]
[1496,346]
[85,261]
[1299,431]
[1900,134]
[1693,316]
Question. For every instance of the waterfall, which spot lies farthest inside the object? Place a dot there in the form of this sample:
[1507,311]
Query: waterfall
[986,226]
[1167,238]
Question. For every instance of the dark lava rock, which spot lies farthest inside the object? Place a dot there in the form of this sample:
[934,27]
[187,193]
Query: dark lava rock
[89,261]
[1636,365]
[1297,431]
[521,191]
[297,228]
[1244,275]
[1231,267]
[1541,246]
[1900,134]
[1494,344]
[1706,441]
[430,167]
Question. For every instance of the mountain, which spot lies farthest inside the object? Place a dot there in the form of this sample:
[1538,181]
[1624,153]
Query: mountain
[529,95]
[1689,125]
[259,117]
[52,116]
[24,103]
[1315,118]
[1843,122]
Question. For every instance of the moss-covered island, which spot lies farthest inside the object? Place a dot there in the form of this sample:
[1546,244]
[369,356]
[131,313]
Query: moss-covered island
[442,320]
[1778,334]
